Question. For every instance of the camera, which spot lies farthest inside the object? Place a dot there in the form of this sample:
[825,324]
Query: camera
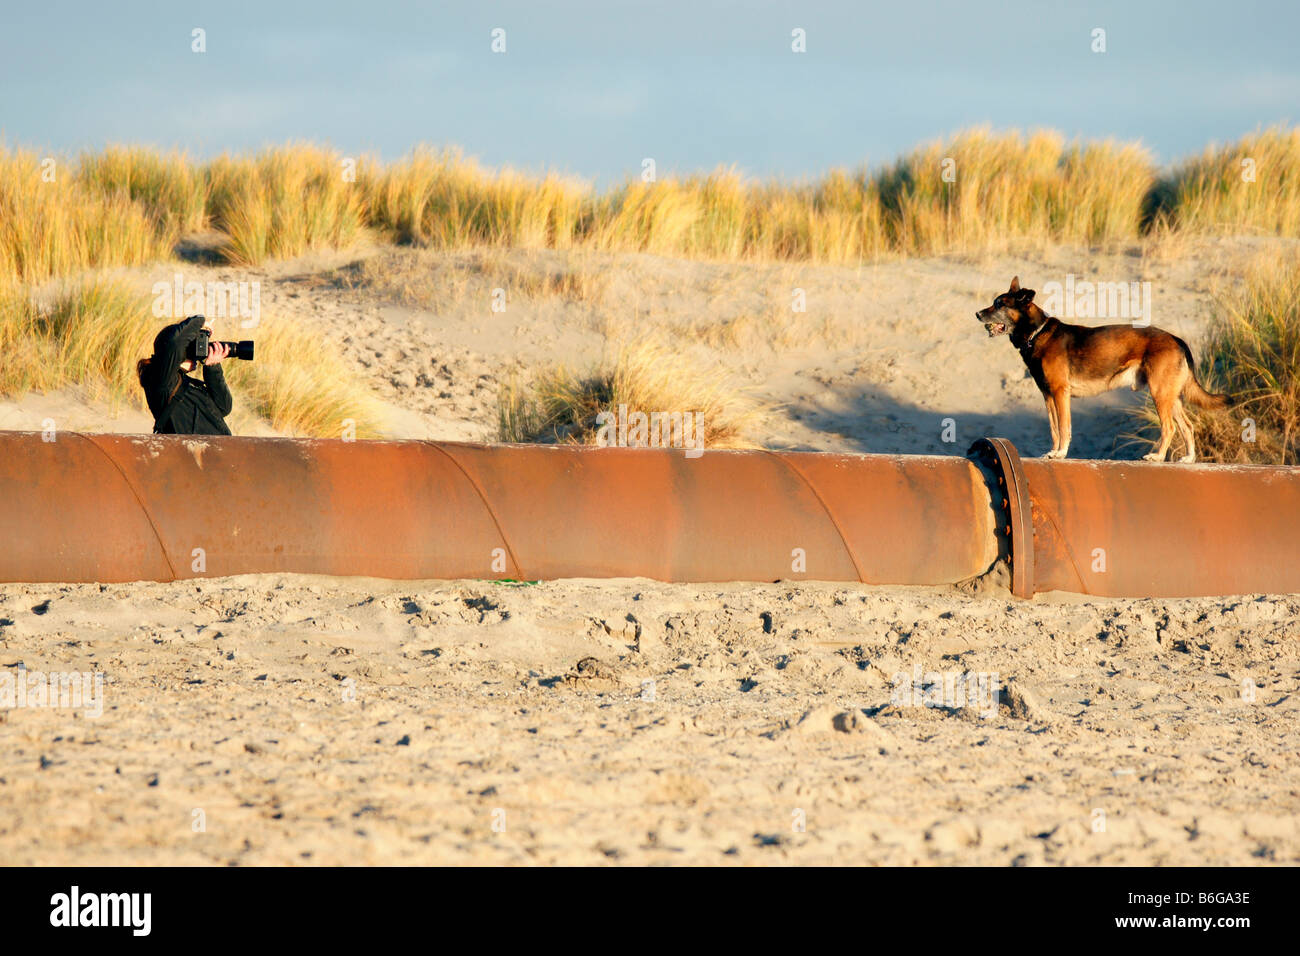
[198,349]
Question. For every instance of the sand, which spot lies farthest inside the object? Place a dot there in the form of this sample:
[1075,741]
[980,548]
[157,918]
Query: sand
[301,720]
[284,719]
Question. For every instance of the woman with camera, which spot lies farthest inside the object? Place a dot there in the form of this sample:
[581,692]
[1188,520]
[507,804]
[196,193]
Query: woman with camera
[182,405]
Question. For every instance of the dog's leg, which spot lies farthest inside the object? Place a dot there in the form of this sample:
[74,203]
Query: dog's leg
[1051,423]
[1058,412]
[1165,409]
[1063,423]
[1184,426]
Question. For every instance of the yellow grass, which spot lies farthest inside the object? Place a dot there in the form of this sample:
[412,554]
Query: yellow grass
[171,188]
[283,202]
[975,191]
[1249,186]
[61,227]
[978,190]
[92,334]
[1007,187]
[89,335]
[1252,353]
[301,388]
[650,377]
[443,200]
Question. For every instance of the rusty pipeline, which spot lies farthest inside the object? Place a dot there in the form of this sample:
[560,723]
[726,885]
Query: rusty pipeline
[102,508]
[121,508]
[1141,529]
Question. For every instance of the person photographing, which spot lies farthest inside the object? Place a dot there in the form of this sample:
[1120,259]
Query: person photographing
[180,403]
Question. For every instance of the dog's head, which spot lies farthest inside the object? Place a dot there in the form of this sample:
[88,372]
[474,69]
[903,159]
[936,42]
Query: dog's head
[1008,310]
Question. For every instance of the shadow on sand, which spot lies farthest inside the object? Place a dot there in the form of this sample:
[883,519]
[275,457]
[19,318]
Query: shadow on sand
[872,422]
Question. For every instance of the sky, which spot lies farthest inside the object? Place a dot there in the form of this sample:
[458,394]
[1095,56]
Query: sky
[592,89]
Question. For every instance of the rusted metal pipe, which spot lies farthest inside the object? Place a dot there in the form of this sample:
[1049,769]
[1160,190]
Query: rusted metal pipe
[1140,529]
[1150,530]
[121,508]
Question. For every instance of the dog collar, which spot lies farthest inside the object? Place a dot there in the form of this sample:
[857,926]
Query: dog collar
[1034,334]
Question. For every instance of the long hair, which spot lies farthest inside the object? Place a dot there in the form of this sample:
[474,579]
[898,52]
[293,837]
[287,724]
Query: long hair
[144,371]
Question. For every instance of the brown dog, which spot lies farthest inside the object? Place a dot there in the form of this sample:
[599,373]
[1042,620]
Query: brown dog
[1067,360]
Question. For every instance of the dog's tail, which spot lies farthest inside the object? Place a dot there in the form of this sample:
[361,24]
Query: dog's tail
[1193,390]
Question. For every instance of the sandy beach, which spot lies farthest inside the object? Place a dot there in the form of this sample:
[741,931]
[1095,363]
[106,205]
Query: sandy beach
[301,720]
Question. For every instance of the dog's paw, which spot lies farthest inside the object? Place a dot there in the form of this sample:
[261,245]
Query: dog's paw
[1054,454]
[1153,456]
[1187,459]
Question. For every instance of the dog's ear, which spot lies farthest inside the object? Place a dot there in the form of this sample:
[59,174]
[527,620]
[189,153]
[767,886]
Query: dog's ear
[1025,296]
[1015,284]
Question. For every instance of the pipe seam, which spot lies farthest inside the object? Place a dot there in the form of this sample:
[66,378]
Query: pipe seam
[148,516]
[487,506]
[848,548]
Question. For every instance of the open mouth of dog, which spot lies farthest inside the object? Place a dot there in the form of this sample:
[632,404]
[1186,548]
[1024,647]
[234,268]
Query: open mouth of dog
[995,328]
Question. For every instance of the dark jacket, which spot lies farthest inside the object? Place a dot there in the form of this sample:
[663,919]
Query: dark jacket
[182,405]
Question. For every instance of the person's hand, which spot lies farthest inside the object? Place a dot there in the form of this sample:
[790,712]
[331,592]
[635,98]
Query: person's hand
[216,352]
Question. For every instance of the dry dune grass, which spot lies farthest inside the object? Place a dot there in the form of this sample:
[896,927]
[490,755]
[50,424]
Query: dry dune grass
[444,200]
[1006,188]
[1249,186]
[170,187]
[1252,353]
[304,390]
[650,376]
[59,226]
[538,275]
[91,334]
[283,202]
[975,191]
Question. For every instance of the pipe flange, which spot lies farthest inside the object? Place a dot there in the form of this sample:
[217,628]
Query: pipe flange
[1011,505]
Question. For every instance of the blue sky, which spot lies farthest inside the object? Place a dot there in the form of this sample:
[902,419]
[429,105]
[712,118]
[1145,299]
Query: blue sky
[591,88]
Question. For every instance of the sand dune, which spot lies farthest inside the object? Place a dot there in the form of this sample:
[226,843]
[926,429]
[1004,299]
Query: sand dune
[290,719]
